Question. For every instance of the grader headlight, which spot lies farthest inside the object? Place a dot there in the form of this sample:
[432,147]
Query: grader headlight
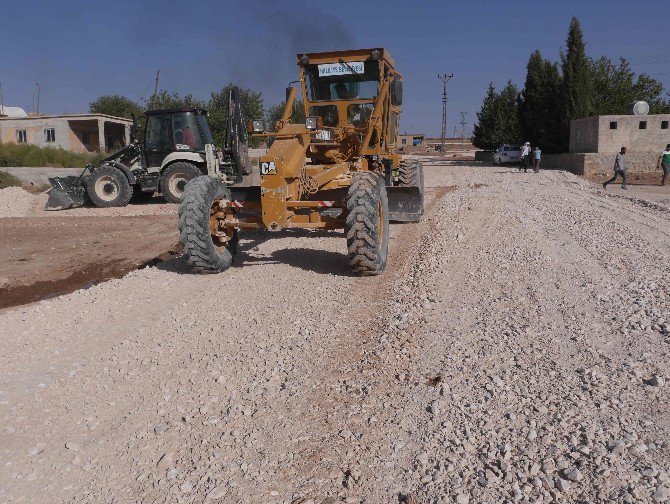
[312,123]
[258,126]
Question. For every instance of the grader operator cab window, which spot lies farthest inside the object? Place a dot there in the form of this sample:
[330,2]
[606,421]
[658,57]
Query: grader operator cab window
[356,80]
[358,114]
[328,113]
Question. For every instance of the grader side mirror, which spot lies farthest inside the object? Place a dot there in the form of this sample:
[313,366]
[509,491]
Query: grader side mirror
[396,92]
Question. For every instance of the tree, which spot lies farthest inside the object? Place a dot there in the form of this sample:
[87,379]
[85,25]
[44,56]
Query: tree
[484,133]
[577,84]
[115,105]
[252,108]
[498,119]
[614,87]
[165,100]
[508,130]
[275,112]
[539,105]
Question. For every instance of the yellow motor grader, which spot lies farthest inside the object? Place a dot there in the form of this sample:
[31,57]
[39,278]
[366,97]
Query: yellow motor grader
[338,170]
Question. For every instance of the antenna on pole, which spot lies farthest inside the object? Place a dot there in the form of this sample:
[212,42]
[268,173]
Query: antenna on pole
[153,97]
[444,78]
[463,123]
[37,111]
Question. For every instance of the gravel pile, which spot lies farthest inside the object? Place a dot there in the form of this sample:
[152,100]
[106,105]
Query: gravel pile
[516,350]
[16,202]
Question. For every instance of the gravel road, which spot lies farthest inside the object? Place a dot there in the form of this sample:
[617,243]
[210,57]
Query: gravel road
[516,350]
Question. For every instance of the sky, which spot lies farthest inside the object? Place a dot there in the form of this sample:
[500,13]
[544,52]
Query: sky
[79,50]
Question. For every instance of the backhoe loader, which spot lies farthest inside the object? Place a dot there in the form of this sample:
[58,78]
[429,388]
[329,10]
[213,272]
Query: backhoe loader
[338,170]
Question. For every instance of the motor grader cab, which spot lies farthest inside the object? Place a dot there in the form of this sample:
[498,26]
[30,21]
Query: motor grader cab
[339,170]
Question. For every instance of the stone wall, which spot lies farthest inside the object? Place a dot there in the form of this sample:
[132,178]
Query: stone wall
[485,156]
[599,166]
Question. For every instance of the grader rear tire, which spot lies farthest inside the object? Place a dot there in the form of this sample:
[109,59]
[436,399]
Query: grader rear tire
[194,226]
[367,224]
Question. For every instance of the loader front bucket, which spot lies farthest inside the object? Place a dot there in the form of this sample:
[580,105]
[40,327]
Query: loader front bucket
[405,203]
[66,192]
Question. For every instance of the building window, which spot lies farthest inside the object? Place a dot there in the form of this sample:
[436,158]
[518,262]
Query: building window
[50,134]
[404,141]
[613,125]
[643,124]
[84,137]
[21,136]
[664,124]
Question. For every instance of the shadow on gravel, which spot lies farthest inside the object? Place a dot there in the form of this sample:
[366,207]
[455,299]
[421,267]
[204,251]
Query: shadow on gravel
[323,262]
[310,259]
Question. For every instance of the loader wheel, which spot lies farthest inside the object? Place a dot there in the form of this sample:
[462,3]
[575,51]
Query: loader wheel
[367,224]
[410,173]
[174,180]
[108,186]
[194,226]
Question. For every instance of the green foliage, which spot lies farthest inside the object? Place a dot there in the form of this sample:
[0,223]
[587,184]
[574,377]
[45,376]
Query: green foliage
[615,86]
[275,112]
[9,180]
[577,83]
[550,100]
[539,105]
[32,155]
[165,100]
[498,119]
[252,108]
[115,105]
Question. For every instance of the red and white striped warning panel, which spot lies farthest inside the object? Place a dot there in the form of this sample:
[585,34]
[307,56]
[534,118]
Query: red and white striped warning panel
[326,203]
[237,204]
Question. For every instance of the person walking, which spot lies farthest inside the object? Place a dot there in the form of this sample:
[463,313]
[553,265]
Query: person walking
[537,157]
[619,169]
[525,154]
[664,162]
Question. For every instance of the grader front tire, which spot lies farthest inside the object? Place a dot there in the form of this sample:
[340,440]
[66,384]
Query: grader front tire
[194,226]
[367,224]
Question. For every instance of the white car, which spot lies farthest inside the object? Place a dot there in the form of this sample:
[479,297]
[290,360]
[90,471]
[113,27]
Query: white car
[507,154]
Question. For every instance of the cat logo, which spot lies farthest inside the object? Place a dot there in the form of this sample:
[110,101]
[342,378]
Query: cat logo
[268,168]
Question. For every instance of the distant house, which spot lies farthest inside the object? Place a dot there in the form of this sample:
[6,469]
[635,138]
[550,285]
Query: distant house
[73,132]
[411,139]
[608,133]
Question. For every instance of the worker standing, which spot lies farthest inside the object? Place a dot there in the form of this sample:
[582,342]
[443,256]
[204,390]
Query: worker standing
[664,162]
[619,169]
[537,157]
[525,154]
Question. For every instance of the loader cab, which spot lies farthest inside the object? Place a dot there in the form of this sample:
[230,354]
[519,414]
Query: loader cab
[342,89]
[174,130]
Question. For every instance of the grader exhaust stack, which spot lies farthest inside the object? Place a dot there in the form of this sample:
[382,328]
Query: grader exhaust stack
[338,170]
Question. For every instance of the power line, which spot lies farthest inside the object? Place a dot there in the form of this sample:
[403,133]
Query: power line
[444,78]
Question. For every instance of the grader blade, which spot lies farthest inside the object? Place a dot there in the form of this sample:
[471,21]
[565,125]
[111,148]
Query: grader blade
[405,203]
[65,192]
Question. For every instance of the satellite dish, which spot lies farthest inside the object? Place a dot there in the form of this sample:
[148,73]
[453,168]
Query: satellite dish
[638,108]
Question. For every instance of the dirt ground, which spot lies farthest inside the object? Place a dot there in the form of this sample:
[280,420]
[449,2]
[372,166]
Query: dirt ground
[516,350]
[42,258]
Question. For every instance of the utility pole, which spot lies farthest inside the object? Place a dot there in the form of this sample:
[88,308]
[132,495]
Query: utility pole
[2,103]
[463,123]
[444,78]
[37,110]
[158,72]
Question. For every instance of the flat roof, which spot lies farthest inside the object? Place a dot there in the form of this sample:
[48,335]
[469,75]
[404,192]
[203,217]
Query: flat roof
[75,117]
